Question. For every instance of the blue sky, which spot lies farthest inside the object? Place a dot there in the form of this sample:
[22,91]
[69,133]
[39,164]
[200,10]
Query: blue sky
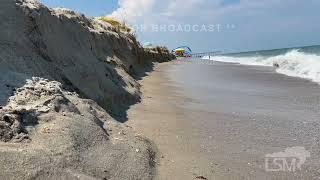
[89,8]
[243,24]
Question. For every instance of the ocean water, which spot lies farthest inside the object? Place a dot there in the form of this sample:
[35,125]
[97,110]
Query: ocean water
[303,62]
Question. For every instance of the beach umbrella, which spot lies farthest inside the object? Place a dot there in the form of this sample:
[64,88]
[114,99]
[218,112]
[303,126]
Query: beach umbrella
[147,45]
[179,50]
[183,49]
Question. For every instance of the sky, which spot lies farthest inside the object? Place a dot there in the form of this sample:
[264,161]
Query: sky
[212,25]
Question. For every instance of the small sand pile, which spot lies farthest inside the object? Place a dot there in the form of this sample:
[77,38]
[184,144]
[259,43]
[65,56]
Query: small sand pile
[47,132]
[36,97]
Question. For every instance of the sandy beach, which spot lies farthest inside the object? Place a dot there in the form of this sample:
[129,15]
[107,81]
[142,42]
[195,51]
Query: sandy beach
[162,118]
[95,95]
[219,121]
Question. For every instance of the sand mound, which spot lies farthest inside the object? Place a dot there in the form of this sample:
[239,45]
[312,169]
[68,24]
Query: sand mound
[64,78]
[63,136]
[36,97]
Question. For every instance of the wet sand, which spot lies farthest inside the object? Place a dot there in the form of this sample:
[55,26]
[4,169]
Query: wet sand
[219,120]
[162,118]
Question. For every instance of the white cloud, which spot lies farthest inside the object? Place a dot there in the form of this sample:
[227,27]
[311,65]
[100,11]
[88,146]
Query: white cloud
[134,11]
[256,21]
[142,11]
[131,10]
[183,7]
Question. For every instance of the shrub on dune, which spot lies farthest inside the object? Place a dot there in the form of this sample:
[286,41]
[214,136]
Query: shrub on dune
[115,23]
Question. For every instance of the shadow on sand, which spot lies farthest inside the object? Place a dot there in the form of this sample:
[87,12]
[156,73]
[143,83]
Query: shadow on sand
[120,113]
[117,104]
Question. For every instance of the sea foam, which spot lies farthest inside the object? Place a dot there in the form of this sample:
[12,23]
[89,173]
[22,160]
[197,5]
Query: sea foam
[293,63]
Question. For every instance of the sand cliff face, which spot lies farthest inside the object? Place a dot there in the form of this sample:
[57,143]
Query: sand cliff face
[62,45]
[52,61]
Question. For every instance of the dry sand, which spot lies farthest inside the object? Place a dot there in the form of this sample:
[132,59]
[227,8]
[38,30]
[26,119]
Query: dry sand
[66,82]
[49,133]
[162,118]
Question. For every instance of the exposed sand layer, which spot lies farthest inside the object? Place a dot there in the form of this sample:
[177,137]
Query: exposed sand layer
[66,83]
[62,45]
[49,133]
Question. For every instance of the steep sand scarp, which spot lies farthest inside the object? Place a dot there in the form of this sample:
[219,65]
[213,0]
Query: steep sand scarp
[81,53]
[65,82]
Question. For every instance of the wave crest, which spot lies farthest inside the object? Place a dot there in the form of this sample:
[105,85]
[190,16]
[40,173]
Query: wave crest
[293,63]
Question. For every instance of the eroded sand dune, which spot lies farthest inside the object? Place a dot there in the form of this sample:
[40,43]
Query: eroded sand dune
[52,61]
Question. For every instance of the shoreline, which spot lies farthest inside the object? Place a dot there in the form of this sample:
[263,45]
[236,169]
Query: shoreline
[225,129]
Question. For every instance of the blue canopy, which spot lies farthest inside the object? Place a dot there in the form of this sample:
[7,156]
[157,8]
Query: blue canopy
[147,45]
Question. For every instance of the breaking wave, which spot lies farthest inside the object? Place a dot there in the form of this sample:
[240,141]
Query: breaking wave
[293,63]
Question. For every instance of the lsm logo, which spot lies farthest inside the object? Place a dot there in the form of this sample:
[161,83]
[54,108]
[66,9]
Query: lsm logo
[290,160]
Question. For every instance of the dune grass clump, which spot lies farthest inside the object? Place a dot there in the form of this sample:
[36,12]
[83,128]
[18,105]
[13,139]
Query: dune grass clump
[119,26]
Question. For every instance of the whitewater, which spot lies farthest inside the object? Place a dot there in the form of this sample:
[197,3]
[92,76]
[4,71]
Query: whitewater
[294,62]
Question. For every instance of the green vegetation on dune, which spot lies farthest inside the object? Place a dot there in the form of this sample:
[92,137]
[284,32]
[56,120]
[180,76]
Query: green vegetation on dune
[115,23]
